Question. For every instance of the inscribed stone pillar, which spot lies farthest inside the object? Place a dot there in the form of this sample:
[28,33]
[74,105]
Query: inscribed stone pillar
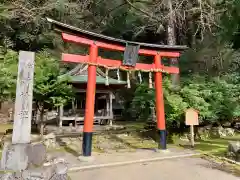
[24,96]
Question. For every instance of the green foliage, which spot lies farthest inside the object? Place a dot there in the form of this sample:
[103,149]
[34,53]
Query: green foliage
[8,74]
[142,102]
[216,99]
[49,88]
[230,21]
[208,69]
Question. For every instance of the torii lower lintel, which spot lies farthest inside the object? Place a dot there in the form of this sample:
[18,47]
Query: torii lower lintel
[110,63]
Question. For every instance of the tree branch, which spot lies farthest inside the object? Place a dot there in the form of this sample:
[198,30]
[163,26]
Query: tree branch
[142,11]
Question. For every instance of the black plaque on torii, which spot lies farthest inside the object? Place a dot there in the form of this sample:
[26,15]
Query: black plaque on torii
[130,57]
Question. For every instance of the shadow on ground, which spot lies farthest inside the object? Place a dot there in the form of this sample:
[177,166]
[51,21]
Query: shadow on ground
[222,166]
[68,149]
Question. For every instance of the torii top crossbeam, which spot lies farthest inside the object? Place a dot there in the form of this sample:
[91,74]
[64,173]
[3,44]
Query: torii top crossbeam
[96,41]
[80,36]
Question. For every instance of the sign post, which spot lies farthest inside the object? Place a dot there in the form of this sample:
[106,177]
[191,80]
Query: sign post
[191,119]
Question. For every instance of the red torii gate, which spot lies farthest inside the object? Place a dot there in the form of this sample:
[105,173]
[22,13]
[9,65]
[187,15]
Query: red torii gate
[85,37]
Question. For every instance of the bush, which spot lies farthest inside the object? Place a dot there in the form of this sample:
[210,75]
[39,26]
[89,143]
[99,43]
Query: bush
[217,99]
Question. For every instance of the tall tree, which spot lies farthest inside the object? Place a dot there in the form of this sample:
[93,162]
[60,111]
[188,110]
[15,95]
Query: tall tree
[171,37]
[8,74]
[50,90]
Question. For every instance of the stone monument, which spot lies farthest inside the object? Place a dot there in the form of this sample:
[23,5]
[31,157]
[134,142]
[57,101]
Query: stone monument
[19,156]
[14,154]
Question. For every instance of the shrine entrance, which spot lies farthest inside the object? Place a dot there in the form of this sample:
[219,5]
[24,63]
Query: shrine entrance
[131,51]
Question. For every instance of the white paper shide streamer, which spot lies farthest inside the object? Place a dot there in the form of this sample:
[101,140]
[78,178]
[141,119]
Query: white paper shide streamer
[128,80]
[150,80]
[118,75]
[140,76]
[107,79]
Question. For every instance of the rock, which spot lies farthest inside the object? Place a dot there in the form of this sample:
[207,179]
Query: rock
[49,136]
[202,133]
[222,132]
[35,137]
[61,169]
[50,140]
[4,119]
[60,131]
[237,126]
[50,157]
[234,150]
[20,156]
[52,172]
[230,131]
[54,161]
[50,143]
[39,150]
[59,160]
[45,173]
[216,132]
[60,172]
[14,157]
[7,176]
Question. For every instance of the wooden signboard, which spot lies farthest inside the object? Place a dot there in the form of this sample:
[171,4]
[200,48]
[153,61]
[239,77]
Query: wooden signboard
[191,119]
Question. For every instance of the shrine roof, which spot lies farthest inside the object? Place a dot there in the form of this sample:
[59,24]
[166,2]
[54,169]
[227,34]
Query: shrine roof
[79,74]
[59,26]
[99,80]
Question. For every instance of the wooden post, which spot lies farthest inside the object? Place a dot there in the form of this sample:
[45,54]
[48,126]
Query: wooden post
[111,104]
[111,108]
[76,105]
[73,105]
[60,116]
[108,104]
[192,135]
[75,120]
[24,95]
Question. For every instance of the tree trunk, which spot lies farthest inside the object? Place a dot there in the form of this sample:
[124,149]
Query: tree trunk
[193,37]
[172,41]
[41,127]
[41,123]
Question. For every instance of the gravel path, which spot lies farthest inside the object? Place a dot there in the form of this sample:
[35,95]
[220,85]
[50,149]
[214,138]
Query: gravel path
[175,169]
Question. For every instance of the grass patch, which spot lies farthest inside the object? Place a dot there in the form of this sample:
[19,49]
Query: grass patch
[217,142]
[5,127]
[136,142]
[207,147]
[132,126]
[216,146]
[233,138]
